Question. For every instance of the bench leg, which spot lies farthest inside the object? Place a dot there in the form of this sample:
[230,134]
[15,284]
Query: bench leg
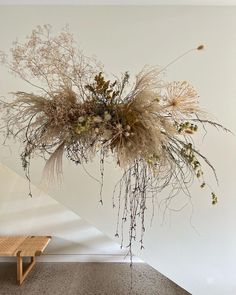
[21,274]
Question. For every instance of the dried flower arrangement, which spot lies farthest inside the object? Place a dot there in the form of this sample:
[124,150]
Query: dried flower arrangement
[147,127]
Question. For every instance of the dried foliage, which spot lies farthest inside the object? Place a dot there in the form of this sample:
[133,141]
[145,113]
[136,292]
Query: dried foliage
[147,127]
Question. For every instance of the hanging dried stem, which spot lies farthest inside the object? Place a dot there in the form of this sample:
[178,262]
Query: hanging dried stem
[148,127]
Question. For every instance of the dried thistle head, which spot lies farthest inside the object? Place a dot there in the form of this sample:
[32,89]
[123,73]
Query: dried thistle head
[181,100]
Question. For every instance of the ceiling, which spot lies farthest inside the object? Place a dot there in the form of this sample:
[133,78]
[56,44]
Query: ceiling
[120,2]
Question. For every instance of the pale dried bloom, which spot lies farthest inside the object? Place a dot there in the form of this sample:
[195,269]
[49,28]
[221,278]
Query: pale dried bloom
[51,63]
[107,116]
[81,119]
[181,99]
[149,79]
[97,119]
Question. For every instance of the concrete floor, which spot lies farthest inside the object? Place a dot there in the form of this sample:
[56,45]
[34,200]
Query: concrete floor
[87,279]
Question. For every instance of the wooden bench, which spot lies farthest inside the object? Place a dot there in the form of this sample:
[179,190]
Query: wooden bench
[23,246]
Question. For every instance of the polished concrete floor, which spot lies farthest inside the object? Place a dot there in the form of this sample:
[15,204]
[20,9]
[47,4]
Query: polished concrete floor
[87,279]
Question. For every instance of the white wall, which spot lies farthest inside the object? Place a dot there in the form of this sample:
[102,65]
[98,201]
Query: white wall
[73,239]
[194,247]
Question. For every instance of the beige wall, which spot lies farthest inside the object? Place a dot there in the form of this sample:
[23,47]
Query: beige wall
[194,247]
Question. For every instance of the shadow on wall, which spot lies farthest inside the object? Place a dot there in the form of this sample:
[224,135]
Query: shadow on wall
[73,238]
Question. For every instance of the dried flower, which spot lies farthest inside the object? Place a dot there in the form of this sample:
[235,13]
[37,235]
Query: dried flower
[200,47]
[107,116]
[97,119]
[76,111]
[81,119]
[181,100]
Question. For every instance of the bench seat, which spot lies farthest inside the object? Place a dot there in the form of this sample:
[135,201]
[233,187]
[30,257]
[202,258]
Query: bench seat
[23,246]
